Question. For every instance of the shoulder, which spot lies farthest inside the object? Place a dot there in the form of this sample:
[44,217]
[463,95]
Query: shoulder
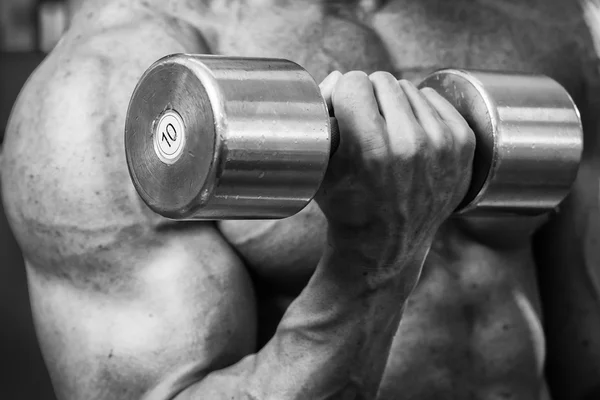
[65,183]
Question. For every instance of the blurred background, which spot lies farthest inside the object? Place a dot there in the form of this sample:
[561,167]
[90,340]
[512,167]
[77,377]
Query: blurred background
[29,29]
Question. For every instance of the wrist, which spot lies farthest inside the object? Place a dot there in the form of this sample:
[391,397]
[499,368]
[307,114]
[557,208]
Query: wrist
[378,243]
[371,283]
[378,258]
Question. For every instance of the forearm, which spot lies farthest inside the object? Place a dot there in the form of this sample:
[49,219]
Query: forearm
[333,340]
[301,238]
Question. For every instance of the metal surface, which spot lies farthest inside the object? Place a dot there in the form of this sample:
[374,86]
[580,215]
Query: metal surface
[529,139]
[210,137]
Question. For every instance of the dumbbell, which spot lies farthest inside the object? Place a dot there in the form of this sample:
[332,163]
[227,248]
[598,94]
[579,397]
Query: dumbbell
[213,137]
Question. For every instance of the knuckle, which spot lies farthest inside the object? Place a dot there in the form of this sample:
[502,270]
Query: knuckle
[374,147]
[465,138]
[412,146]
[354,78]
[438,136]
[350,85]
[441,140]
[408,152]
[464,133]
[335,74]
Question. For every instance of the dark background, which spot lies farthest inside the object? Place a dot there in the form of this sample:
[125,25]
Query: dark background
[28,30]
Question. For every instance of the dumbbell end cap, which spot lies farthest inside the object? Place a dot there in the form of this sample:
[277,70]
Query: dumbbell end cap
[170,137]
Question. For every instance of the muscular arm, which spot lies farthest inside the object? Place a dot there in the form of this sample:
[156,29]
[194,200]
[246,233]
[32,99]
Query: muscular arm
[329,343]
[127,305]
[112,287]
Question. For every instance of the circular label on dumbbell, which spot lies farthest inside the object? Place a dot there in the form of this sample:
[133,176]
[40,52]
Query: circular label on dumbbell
[169,137]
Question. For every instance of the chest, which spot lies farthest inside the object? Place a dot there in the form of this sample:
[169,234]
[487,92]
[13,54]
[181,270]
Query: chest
[411,38]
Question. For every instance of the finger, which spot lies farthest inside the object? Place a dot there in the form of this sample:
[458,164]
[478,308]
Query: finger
[392,102]
[405,135]
[357,112]
[327,87]
[445,110]
[426,114]
[453,119]
[421,107]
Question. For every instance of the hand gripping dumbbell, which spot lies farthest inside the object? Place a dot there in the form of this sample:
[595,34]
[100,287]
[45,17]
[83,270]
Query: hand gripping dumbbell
[211,137]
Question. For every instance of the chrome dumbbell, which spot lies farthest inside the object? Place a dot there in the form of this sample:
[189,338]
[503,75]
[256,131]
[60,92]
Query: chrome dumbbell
[211,137]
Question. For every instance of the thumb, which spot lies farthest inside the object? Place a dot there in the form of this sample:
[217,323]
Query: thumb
[327,87]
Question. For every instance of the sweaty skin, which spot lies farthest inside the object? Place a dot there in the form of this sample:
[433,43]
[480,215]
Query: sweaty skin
[127,304]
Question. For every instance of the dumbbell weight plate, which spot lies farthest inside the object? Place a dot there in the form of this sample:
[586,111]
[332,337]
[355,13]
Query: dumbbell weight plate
[212,137]
[529,139]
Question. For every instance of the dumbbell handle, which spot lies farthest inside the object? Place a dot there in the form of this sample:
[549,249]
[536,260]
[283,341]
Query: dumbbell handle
[335,135]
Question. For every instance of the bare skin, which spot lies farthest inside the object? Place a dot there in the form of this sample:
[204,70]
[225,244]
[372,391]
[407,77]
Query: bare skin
[127,304]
